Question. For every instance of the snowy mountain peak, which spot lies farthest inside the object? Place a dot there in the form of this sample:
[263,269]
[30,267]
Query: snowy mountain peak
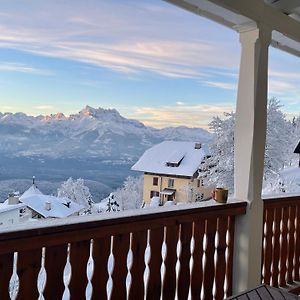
[99,112]
[88,111]
[53,117]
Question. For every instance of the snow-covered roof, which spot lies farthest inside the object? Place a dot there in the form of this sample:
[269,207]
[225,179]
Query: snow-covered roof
[33,190]
[36,200]
[291,174]
[160,159]
[58,207]
[4,207]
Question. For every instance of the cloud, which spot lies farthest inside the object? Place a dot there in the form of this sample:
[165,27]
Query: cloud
[119,42]
[183,115]
[221,85]
[180,103]
[281,87]
[44,107]
[284,74]
[5,108]
[22,68]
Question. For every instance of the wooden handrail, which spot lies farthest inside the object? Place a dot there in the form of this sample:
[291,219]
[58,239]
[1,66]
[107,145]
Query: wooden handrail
[153,239]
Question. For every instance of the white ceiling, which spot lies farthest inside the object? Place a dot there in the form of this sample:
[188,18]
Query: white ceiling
[283,16]
[288,7]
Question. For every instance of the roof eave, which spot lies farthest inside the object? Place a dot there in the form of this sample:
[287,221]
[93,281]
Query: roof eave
[235,14]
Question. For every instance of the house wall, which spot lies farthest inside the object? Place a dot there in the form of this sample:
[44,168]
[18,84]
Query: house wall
[186,188]
[9,217]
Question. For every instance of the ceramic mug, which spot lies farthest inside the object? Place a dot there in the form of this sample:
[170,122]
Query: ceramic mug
[220,195]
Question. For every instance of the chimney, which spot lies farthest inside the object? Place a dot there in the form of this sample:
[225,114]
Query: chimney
[13,198]
[48,205]
[198,145]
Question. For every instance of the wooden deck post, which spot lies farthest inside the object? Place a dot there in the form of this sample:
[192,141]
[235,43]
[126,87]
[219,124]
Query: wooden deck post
[250,135]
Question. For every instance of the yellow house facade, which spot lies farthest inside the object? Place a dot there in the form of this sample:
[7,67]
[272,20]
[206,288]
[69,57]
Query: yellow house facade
[171,172]
[174,188]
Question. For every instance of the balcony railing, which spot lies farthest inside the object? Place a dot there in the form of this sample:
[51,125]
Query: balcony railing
[183,253]
[281,243]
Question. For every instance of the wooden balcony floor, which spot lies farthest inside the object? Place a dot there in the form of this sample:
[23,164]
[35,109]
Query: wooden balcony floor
[265,292]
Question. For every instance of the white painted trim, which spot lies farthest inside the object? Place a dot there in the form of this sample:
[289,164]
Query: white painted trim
[250,136]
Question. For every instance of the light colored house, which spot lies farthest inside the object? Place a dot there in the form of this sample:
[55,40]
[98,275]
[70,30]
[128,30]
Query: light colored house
[171,172]
[45,206]
[12,211]
[11,214]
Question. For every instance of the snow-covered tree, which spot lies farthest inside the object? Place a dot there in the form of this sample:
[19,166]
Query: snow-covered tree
[219,168]
[112,203]
[278,141]
[130,195]
[75,190]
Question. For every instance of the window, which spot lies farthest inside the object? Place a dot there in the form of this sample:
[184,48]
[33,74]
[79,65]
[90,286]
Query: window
[170,183]
[155,180]
[200,182]
[199,197]
[154,194]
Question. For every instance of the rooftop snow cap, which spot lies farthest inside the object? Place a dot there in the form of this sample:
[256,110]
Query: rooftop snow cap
[175,158]
[48,205]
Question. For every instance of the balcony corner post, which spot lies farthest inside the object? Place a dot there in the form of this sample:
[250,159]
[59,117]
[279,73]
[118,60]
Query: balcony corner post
[250,136]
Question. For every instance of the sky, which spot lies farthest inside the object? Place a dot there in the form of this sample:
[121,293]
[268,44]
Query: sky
[148,59]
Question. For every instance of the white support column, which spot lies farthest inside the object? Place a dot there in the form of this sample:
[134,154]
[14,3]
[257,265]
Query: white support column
[250,135]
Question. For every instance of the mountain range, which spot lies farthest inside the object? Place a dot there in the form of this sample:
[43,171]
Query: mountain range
[93,133]
[96,144]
